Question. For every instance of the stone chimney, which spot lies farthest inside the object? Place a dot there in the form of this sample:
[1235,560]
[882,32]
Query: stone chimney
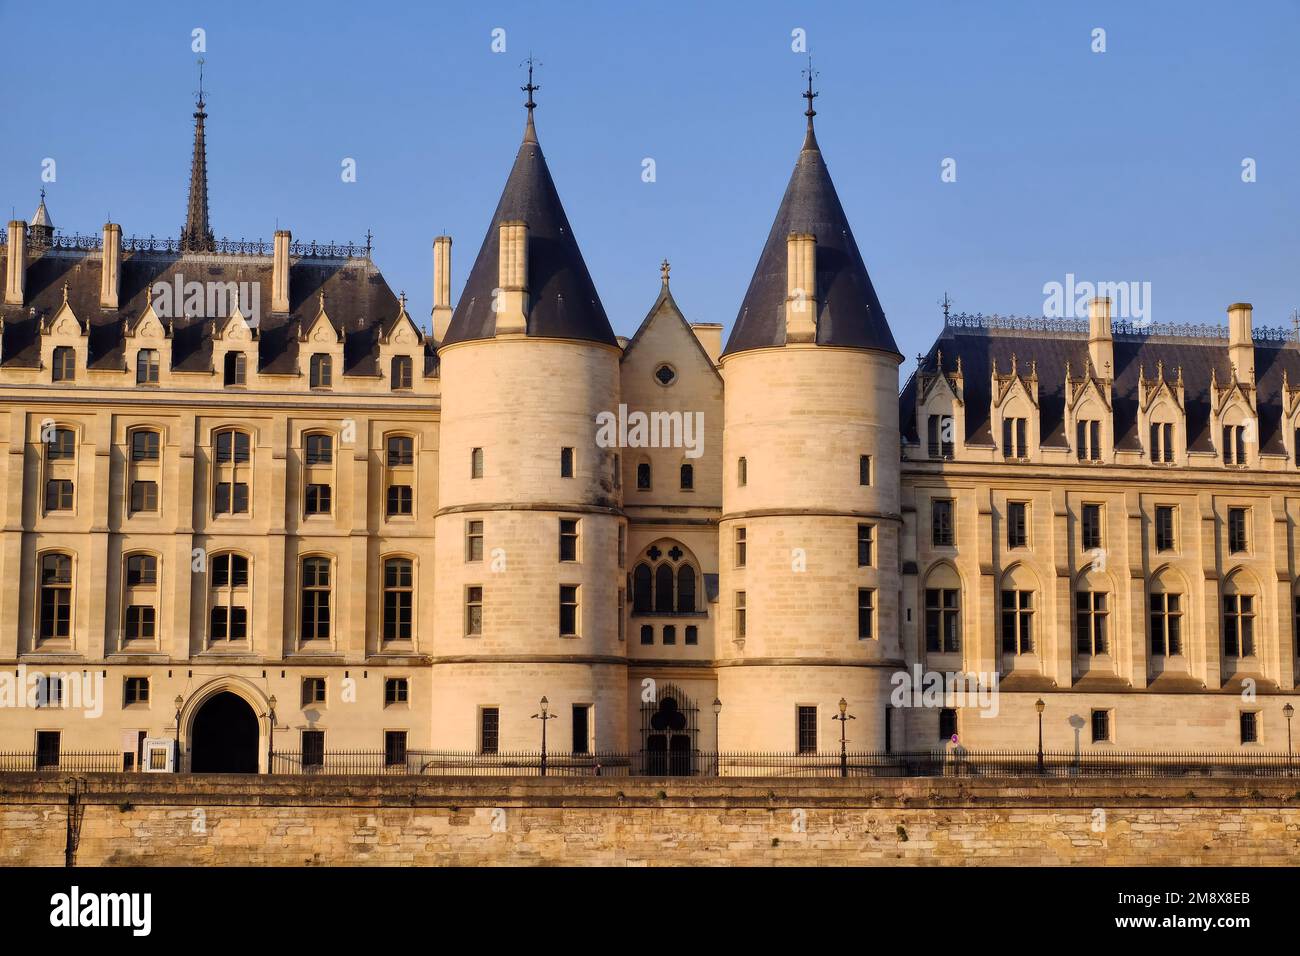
[512,278]
[441,286]
[800,287]
[1241,344]
[1101,343]
[110,274]
[16,263]
[280,271]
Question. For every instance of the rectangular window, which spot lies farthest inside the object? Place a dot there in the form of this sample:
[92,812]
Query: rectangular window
[318,499]
[135,690]
[397,690]
[865,534]
[566,462]
[1101,726]
[489,738]
[1234,444]
[139,623]
[643,476]
[947,723]
[568,610]
[1166,624]
[144,496]
[740,547]
[65,364]
[942,620]
[1249,727]
[622,545]
[581,728]
[476,463]
[58,495]
[1017,525]
[647,634]
[320,449]
[62,446]
[231,498]
[395,748]
[401,451]
[473,540]
[1161,446]
[742,472]
[473,611]
[1090,614]
[740,615]
[1017,622]
[692,634]
[1237,530]
[146,367]
[1239,625]
[622,614]
[1087,445]
[144,446]
[399,500]
[1164,528]
[864,470]
[313,748]
[1014,432]
[568,539]
[939,436]
[315,599]
[941,519]
[47,750]
[1090,527]
[807,730]
[670,634]
[866,613]
[313,691]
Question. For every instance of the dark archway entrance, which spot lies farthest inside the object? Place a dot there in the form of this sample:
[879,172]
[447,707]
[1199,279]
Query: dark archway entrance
[224,736]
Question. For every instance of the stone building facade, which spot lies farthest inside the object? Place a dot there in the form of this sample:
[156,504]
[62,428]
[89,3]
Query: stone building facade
[241,480]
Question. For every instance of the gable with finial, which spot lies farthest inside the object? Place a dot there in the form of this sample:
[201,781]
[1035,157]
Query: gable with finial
[320,331]
[937,383]
[234,328]
[63,323]
[147,325]
[1005,387]
[400,329]
[667,334]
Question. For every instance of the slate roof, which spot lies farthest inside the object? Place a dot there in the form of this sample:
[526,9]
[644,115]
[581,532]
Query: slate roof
[562,299]
[357,300]
[1198,357]
[849,312]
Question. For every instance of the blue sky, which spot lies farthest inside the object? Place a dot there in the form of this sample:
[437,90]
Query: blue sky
[1115,166]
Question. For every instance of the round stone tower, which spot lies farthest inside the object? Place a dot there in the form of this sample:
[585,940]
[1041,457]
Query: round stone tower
[527,582]
[810,526]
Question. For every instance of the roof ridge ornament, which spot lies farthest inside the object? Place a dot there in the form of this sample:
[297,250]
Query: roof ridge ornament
[530,131]
[810,138]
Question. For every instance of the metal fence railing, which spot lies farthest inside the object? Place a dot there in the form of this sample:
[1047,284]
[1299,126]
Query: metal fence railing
[955,762]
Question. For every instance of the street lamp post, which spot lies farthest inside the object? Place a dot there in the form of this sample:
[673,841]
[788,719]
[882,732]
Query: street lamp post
[717,739]
[1040,707]
[270,745]
[844,717]
[179,702]
[1289,712]
[544,717]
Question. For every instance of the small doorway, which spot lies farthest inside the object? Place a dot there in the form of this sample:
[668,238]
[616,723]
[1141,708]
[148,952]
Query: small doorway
[224,736]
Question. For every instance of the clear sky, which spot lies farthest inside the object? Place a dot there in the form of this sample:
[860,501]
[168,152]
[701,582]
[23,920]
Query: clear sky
[1117,166]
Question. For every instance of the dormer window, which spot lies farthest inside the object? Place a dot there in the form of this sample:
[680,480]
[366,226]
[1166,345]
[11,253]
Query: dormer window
[939,436]
[322,371]
[1087,444]
[1162,442]
[1234,444]
[401,374]
[1014,433]
[236,368]
[146,367]
[65,364]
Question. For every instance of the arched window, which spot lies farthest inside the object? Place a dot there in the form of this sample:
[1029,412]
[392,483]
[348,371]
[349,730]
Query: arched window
[232,469]
[399,476]
[236,368]
[943,611]
[56,596]
[60,468]
[643,476]
[228,598]
[1239,617]
[141,598]
[146,450]
[688,477]
[1017,607]
[664,589]
[400,375]
[318,473]
[146,367]
[399,593]
[686,589]
[322,370]
[642,592]
[1165,606]
[1092,615]
[315,599]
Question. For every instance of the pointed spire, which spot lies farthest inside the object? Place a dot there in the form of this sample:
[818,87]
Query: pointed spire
[41,228]
[197,234]
[810,138]
[530,131]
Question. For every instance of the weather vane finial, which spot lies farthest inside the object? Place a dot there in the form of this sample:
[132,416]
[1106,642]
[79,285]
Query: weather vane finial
[811,94]
[200,93]
[532,87]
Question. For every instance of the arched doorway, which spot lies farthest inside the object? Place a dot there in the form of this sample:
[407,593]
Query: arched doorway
[224,736]
[668,734]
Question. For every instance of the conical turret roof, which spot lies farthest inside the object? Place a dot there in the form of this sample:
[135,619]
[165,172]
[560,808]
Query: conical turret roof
[849,313]
[562,299]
